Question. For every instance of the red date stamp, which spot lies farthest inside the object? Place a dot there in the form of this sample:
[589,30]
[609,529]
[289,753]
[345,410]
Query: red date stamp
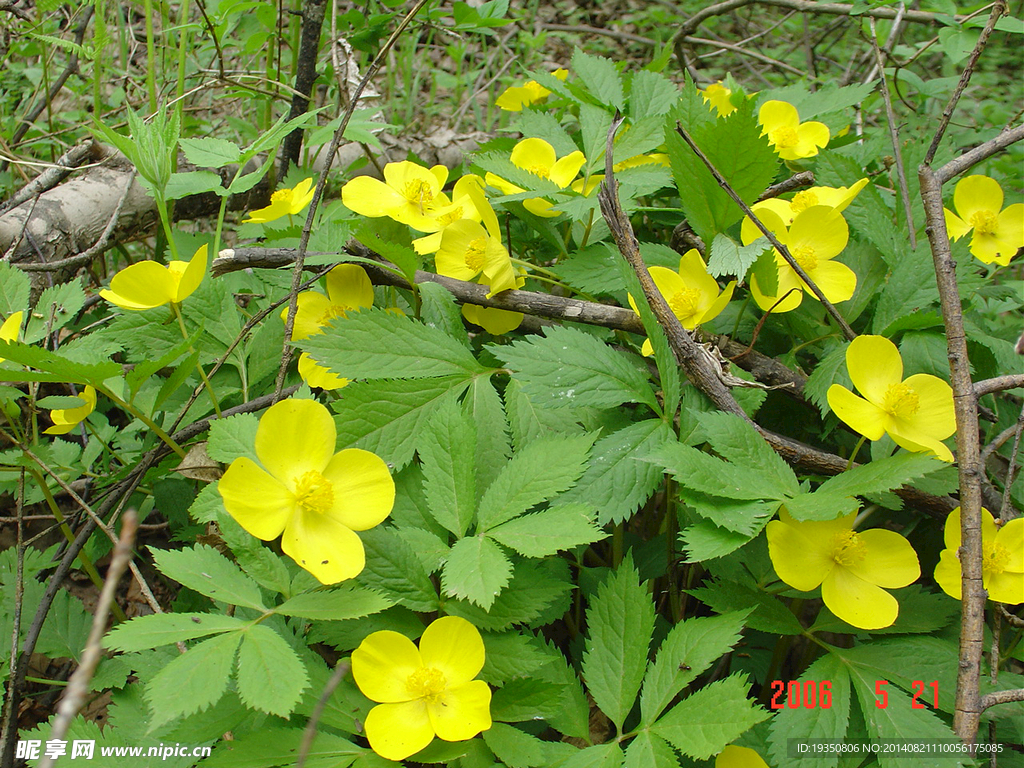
[817,694]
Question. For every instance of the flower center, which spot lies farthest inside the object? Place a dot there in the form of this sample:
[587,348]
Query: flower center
[804,256]
[784,138]
[537,170]
[314,492]
[804,200]
[419,194]
[684,303]
[455,214]
[901,401]
[847,548]
[994,560]
[475,254]
[426,683]
[984,222]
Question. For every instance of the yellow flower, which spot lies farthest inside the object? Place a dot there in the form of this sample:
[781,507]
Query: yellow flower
[423,692]
[916,412]
[817,236]
[348,290]
[836,198]
[1002,568]
[147,284]
[853,569]
[9,330]
[66,419]
[531,92]
[317,498]
[691,293]
[461,207]
[739,757]
[718,96]
[284,202]
[410,194]
[539,158]
[791,138]
[997,234]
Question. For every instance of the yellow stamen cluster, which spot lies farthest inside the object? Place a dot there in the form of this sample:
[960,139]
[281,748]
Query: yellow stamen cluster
[847,548]
[984,222]
[685,302]
[805,257]
[803,200]
[426,683]
[901,401]
[419,193]
[994,560]
[475,254]
[314,492]
[784,138]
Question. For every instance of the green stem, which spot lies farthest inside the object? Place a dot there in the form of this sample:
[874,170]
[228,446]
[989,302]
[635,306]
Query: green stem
[153,426]
[199,367]
[853,455]
[147,6]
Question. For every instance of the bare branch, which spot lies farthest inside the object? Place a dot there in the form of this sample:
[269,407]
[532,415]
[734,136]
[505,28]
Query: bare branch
[981,152]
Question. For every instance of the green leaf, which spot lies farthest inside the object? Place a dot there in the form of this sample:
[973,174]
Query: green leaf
[816,722]
[527,421]
[905,659]
[389,417]
[689,649]
[705,541]
[882,474]
[374,344]
[482,405]
[513,747]
[448,452]
[550,531]
[568,367]
[271,677]
[439,310]
[831,369]
[730,258]
[193,183]
[375,235]
[621,623]
[14,290]
[707,721]
[67,626]
[607,755]
[650,94]
[138,376]
[600,77]
[209,152]
[510,655]
[704,473]
[650,751]
[532,123]
[60,402]
[144,632]
[538,472]
[208,572]
[476,570]
[273,745]
[257,560]
[537,589]
[828,98]
[54,366]
[821,505]
[192,681]
[769,615]
[57,306]
[347,601]
[393,569]
[736,440]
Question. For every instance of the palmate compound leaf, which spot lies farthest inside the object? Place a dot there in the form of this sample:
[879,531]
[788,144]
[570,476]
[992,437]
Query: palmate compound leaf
[736,440]
[552,530]
[194,680]
[621,622]
[447,452]
[568,367]
[476,570]
[145,632]
[271,677]
[393,569]
[707,721]
[709,475]
[209,573]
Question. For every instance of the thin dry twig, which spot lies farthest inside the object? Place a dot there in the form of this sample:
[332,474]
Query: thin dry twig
[53,175]
[981,152]
[309,733]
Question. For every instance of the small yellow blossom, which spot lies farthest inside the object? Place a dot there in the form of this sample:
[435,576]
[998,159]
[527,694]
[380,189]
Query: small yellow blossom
[718,96]
[410,194]
[739,757]
[348,290]
[539,158]
[317,498]
[425,691]
[791,139]
[147,284]
[531,92]
[817,236]
[916,412]
[998,231]
[461,207]
[853,569]
[284,202]
[66,419]
[9,330]
[1002,568]
[836,198]
[691,293]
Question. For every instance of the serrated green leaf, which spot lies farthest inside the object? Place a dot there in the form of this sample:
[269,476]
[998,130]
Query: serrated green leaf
[274,745]
[513,747]
[538,472]
[209,152]
[375,235]
[510,655]
[650,94]
[707,721]
[769,615]
[448,452]
[650,751]
[439,310]
[346,601]
[600,77]
[568,367]
[482,405]
[57,306]
[14,290]
[537,589]
[828,98]
[818,722]
[821,505]
[192,681]
[831,369]
[925,352]
[688,649]
[500,165]
[193,183]
[621,622]
[730,258]
[374,344]
[144,632]
[550,531]
[905,659]
[532,123]
[706,474]
[527,698]
[476,570]
[270,676]
[60,401]
[736,441]
[209,573]
[527,421]
[882,475]
[705,541]
[256,559]
[207,505]
[66,629]
[607,755]
[393,570]
[138,375]
[54,367]
[389,417]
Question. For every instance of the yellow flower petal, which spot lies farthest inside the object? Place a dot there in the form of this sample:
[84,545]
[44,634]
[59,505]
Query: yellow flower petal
[790,286]
[318,376]
[819,229]
[739,757]
[312,311]
[396,731]
[370,197]
[836,280]
[381,665]
[718,304]
[777,114]
[494,321]
[260,503]
[858,602]
[295,437]
[862,416]
[9,330]
[889,559]
[800,561]
[566,168]
[775,214]
[955,226]
[462,251]
[364,492]
[143,285]
[534,155]
[948,575]
[454,646]
[323,546]
[191,276]
[813,135]
[462,712]
[977,194]
[935,396]
[64,420]
[349,287]
[874,365]
[1011,538]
